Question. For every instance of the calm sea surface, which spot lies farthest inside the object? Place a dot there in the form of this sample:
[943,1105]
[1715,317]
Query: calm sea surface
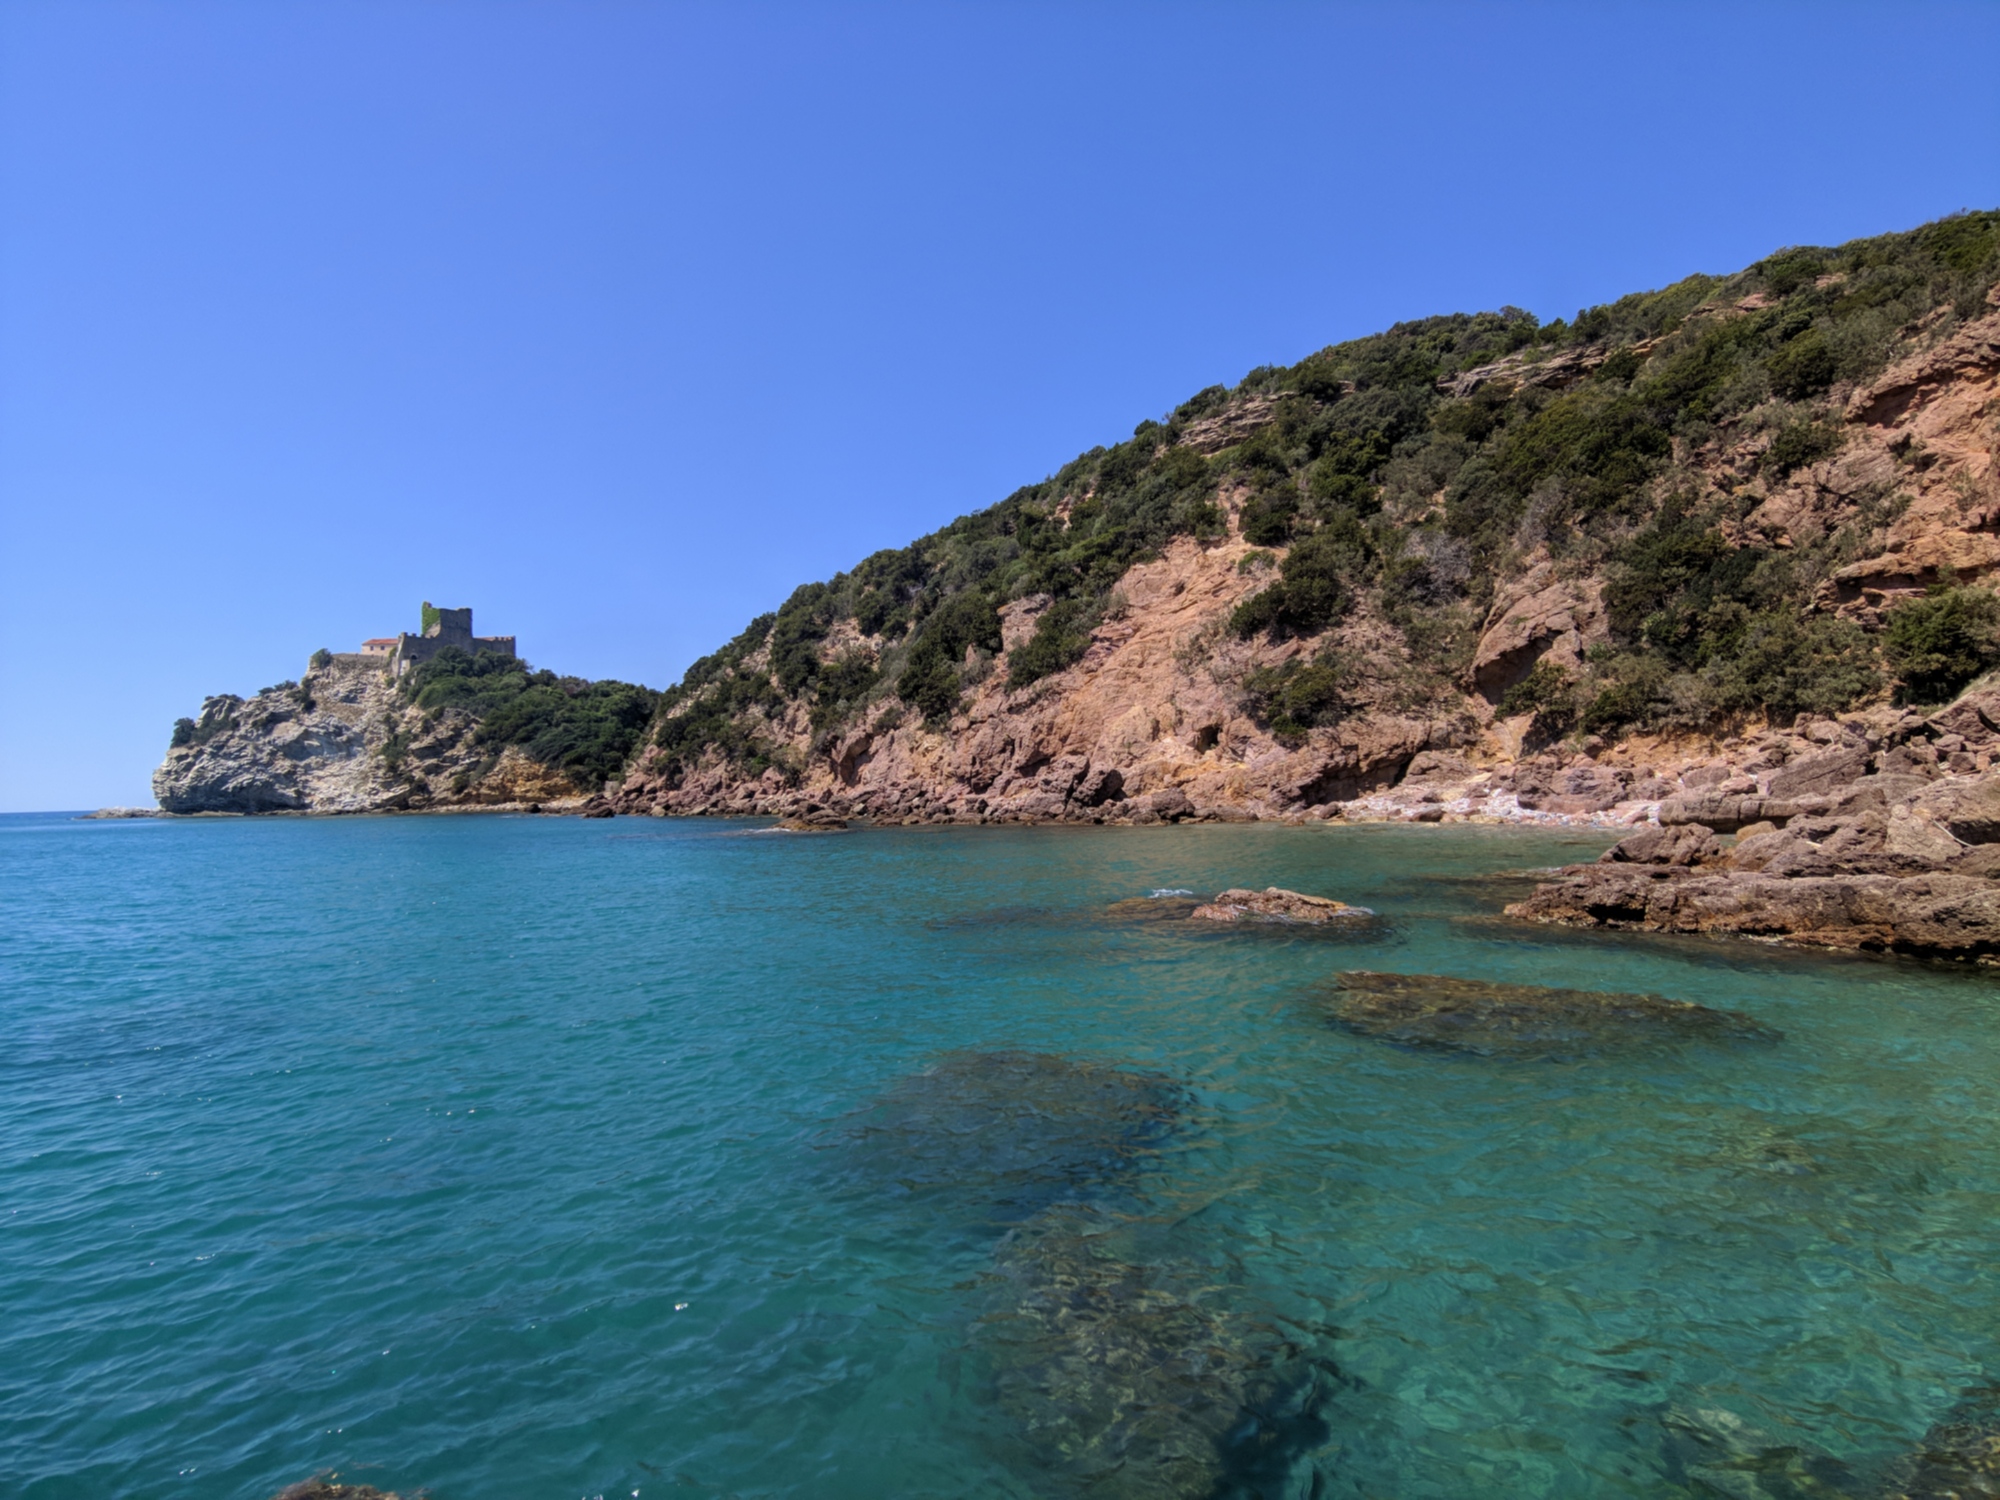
[536,1158]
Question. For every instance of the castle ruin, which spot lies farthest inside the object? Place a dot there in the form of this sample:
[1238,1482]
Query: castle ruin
[442,628]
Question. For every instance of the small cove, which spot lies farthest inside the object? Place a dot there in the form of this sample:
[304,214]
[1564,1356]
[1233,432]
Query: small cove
[529,1157]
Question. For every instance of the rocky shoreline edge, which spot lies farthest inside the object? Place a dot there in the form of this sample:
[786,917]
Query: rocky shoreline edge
[1876,832]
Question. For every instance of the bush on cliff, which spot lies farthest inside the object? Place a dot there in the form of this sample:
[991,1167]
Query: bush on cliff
[931,682]
[1939,643]
[1316,582]
[588,730]
[1298,695]
[1061,637]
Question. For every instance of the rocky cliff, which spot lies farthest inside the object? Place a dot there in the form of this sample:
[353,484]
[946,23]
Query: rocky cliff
[1473,567]
[345,739]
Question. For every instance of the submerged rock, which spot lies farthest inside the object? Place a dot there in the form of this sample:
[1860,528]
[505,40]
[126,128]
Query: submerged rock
[1126,1374]
[1175,906]
[1275,905]
[1721,1454]
[1435,1012]
[1958,1459]
[317,1488]
[1019,1130]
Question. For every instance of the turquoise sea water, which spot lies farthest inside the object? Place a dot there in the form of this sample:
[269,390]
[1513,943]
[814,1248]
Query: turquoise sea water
[538,1158]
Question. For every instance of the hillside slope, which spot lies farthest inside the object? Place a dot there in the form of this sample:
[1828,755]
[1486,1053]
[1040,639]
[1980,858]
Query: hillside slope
[1472,566]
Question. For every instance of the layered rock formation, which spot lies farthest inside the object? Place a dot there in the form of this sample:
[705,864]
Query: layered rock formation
[343,740]
[1884,836]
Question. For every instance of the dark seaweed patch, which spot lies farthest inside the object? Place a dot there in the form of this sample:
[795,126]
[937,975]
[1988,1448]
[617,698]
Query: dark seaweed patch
[1010,1132]
[1126,1370]
[1433,1012]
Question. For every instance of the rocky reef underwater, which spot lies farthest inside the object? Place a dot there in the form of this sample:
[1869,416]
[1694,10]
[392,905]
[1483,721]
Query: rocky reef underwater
[1108,1333]
[1437,1013]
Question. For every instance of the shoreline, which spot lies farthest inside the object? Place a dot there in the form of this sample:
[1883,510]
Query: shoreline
[1367,811]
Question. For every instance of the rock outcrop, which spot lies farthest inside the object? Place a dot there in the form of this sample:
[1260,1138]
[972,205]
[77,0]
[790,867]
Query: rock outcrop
[1882,846]
[1274,905]
[342,740]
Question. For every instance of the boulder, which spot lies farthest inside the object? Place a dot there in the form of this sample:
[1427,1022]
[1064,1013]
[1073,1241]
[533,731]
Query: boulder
[1170,805]
[1099,787]
[814,820]
[1275,905]
[1725,813]
[1687,844]
[1824,772]
[1974,718]
[1958,1458]
[1969,809]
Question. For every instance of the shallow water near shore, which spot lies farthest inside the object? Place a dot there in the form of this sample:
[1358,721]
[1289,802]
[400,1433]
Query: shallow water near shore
[526,1157]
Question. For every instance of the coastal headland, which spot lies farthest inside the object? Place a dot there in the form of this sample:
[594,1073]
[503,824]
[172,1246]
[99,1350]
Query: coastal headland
[1714,559]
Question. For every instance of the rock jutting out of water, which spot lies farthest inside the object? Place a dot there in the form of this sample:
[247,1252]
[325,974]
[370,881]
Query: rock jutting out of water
[1125,1373]
[1273,911]
[813,819]
[325,1489]
[1439,1013]
[1015,1131]
[1273,904]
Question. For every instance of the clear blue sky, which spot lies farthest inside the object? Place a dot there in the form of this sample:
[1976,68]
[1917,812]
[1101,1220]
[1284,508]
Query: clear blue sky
[617,321]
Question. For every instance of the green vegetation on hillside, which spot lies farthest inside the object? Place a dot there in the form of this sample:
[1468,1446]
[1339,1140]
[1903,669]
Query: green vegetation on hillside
[586,729]
[1939,643]
[1395,478]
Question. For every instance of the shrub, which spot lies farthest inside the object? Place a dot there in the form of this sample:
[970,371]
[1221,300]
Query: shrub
[1798,444]
[1939,643]
[588,730]
[1546,691]
[1207,520]
[1788,270]
[320,660]
[1267,518]
[1602,446]
[930,681]
[1061,637]
[1614,707]
[1668,581]
[1297,696]
[1786,665]
[847,678]
[1312,591]
[1804,367]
